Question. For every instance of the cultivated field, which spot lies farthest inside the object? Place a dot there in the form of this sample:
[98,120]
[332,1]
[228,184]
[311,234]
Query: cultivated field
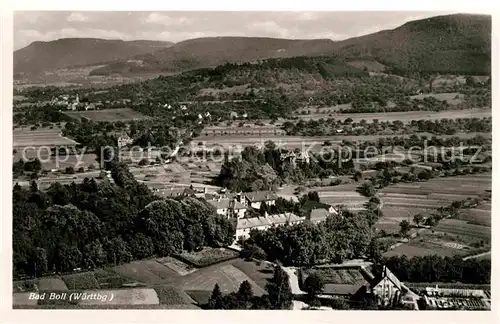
[460,236]
[408,115]
[25,137]
[117,114]
[402,199]
[344,194]
[164,282]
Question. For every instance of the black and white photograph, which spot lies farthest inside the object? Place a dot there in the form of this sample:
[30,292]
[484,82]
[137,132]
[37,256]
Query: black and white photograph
[252,160]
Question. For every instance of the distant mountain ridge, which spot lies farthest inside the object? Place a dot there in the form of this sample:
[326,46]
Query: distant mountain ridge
[457,43]
[69,52]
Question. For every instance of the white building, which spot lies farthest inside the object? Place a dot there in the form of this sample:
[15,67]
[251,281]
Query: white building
[124,140]
[256,198]
[245,225]
[230,208]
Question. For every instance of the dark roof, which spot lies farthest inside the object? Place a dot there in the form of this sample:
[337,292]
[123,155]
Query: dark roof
[257,196]
[311,204]
[387,273]
[318,214]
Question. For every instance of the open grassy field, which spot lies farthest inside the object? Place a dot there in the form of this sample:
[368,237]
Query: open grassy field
[462,228]
[136,296]
[481,215]
[344,194]
[227,276]
[98,279]
[147,271]
[117,114]
[419,249]
[25,137]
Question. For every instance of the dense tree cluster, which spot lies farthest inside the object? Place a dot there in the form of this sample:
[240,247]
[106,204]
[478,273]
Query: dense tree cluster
[339,237]
[91,224]
[40,115]
[266,168]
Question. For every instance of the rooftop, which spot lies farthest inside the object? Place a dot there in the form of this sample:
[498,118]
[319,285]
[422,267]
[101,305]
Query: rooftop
[226,203]
[318,214]
[257,196]
[278,219]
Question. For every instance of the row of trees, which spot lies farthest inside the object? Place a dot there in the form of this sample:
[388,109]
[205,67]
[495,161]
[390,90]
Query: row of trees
[332,126]
[92,224]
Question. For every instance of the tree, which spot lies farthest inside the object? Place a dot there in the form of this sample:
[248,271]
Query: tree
[40,259]
[215,301]
[404,228]
[245,294]
[367,189]
[424,175]
[313,285]
[418,219]
[278,289]
[358,175]
[263,208]
[313,196]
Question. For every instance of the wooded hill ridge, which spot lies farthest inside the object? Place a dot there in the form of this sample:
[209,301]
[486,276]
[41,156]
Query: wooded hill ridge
[459,43]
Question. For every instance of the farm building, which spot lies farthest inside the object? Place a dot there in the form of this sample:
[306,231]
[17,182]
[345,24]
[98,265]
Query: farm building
[245,225]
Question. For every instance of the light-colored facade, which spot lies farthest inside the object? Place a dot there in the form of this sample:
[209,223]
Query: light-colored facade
[245,225]
[256,198]
[124,140]
[388,290]
[229,208]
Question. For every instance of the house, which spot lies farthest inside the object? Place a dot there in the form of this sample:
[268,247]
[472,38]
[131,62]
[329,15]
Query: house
[124,140]
[293,158]
[256,198]
[230,208]
[318,215]
[245,225]
[355,282]
[387,290]
[316,211]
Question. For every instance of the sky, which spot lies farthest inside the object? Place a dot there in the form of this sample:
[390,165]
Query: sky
[175,26]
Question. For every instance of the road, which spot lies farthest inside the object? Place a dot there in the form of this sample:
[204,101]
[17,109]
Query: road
[294,280]
[477,256]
